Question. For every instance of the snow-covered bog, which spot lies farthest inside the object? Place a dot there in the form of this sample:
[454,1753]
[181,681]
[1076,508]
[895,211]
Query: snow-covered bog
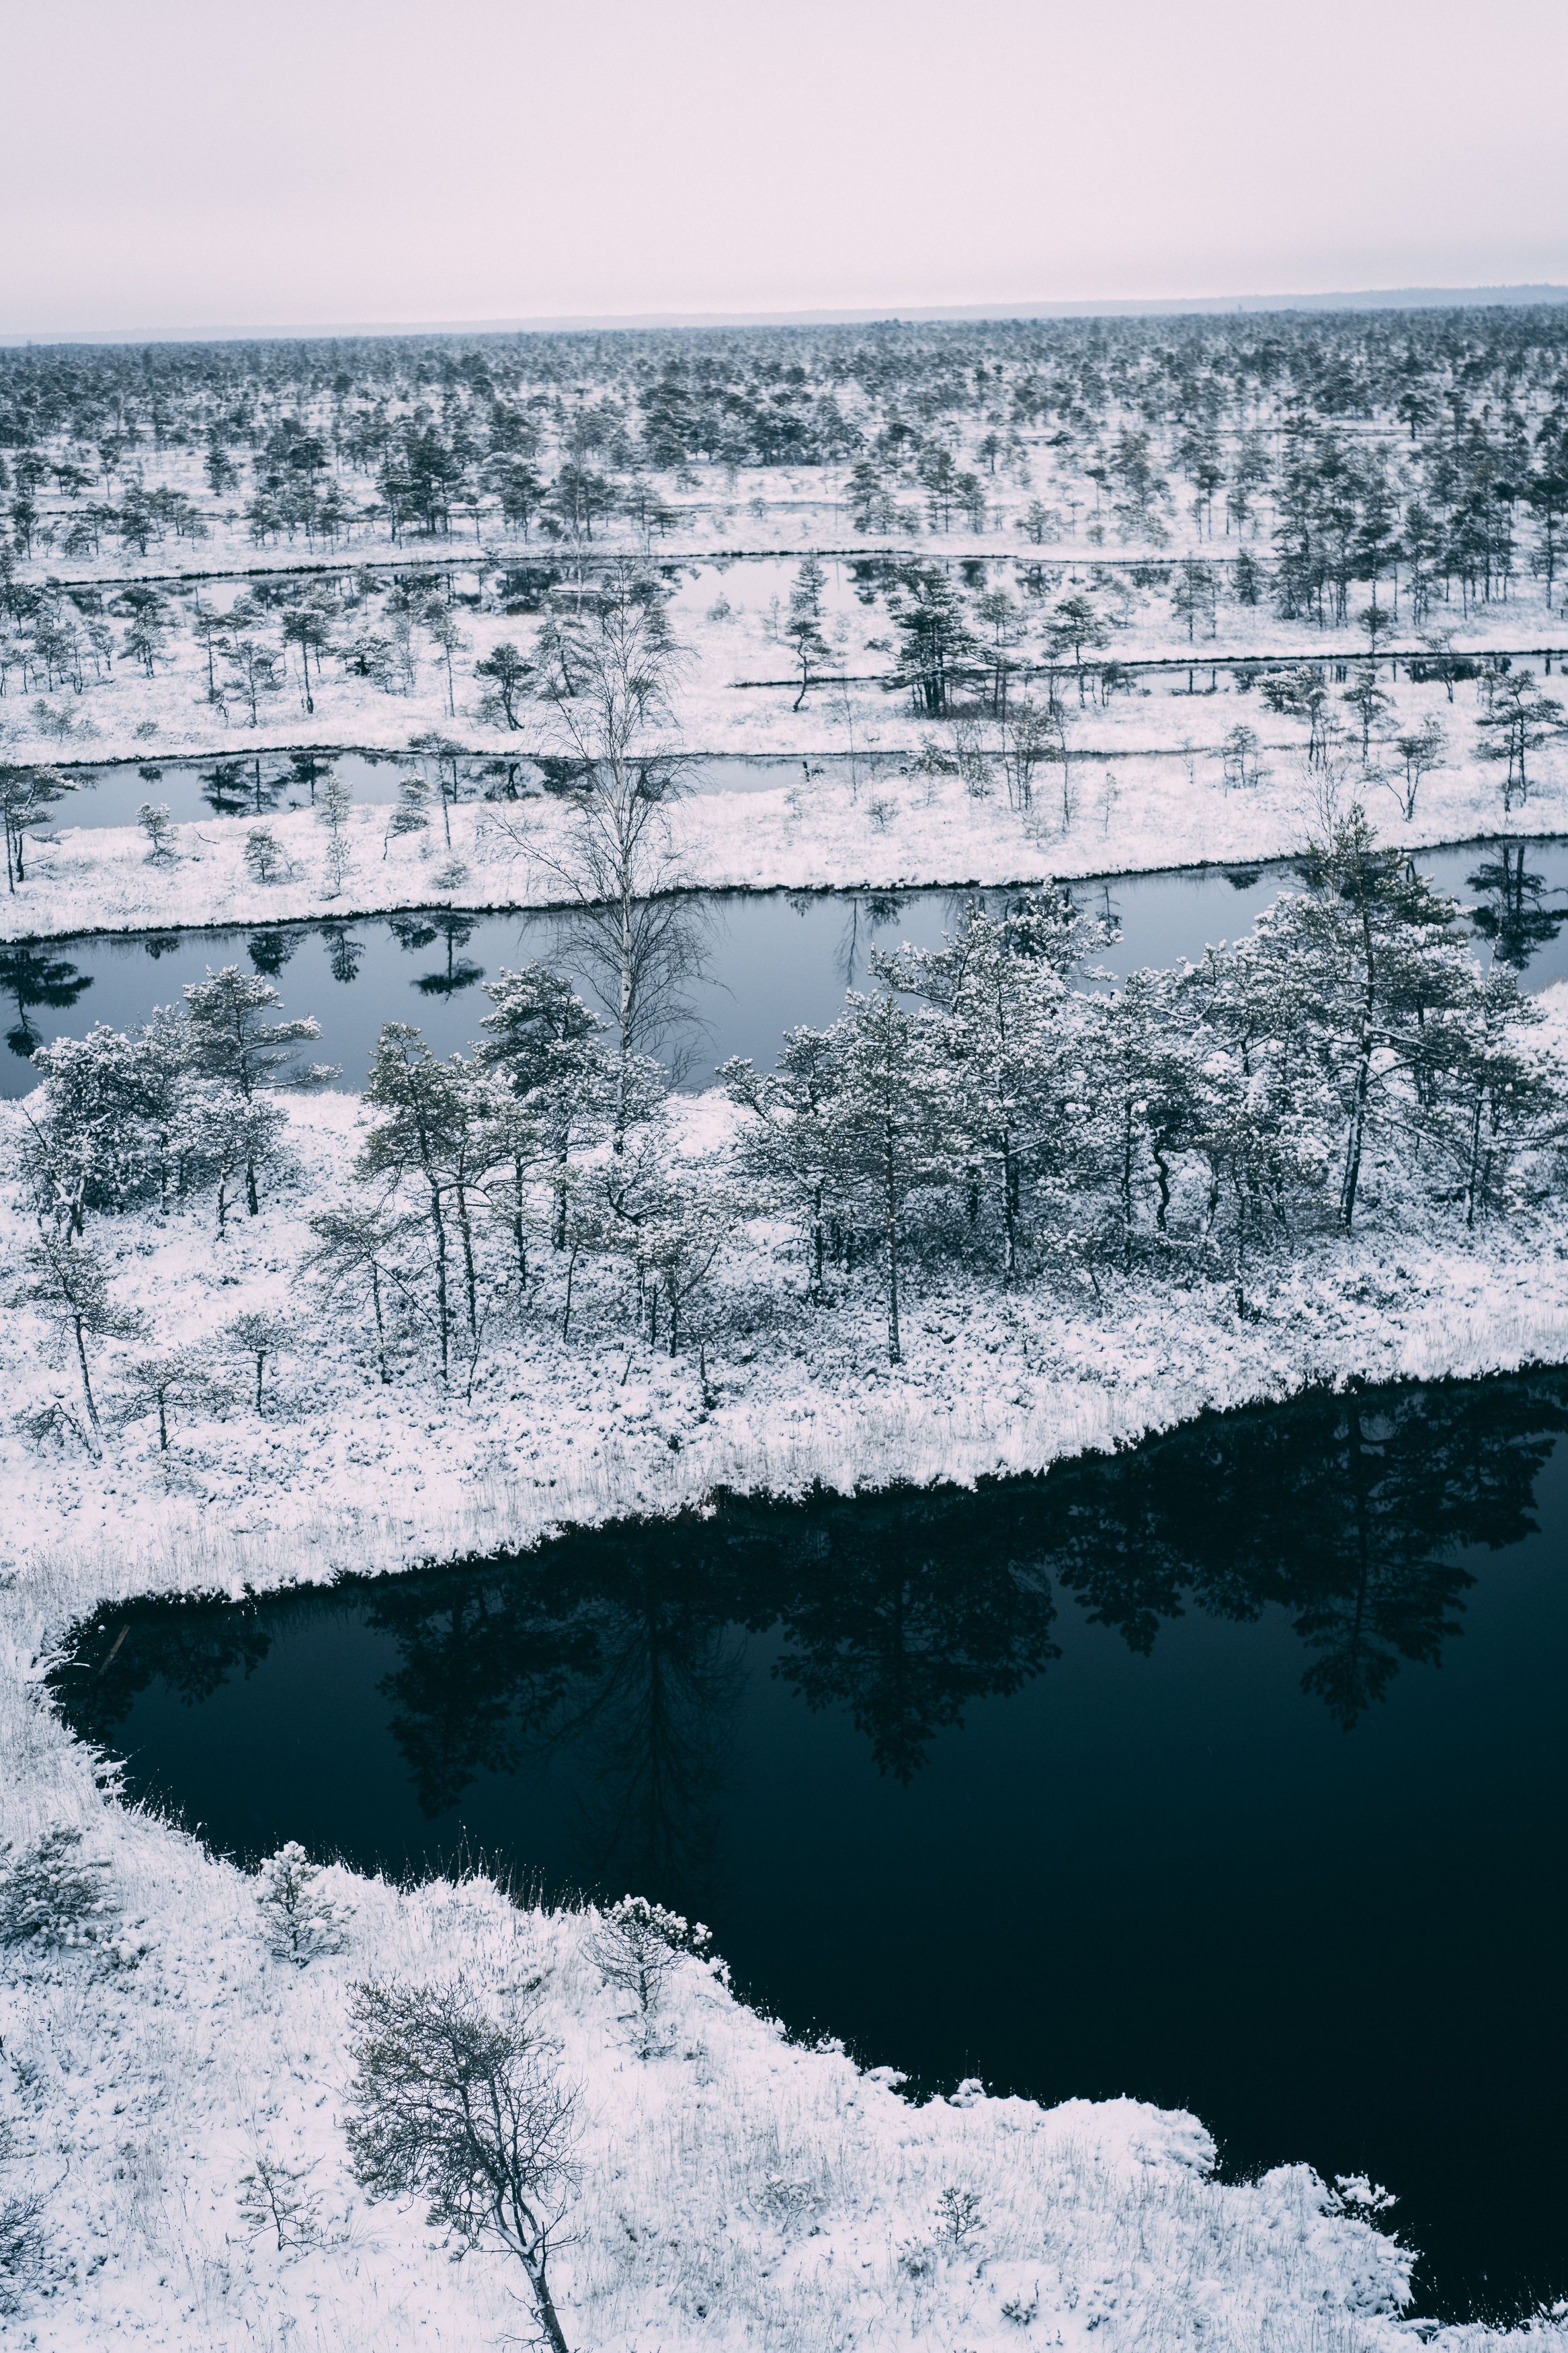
[826,834]
[174,2038]
[175,2096]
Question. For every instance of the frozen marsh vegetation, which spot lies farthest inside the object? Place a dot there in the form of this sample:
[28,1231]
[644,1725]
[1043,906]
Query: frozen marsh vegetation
[184,2070]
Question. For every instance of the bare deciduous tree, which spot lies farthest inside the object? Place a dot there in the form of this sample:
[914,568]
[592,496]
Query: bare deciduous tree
[460,2103]
[619,864]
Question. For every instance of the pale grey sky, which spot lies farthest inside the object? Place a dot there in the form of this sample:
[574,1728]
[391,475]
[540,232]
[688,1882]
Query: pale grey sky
[174,164]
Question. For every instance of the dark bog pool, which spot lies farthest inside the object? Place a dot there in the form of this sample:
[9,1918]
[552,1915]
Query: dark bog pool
[1229,1773]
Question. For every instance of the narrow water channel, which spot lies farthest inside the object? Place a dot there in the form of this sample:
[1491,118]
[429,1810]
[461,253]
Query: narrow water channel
[241,783]
[1231,1773]
[763,961]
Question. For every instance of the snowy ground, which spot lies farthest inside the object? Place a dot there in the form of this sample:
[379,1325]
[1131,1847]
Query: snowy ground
[1145,783]
[737,2190]
[737,686]
[823,833]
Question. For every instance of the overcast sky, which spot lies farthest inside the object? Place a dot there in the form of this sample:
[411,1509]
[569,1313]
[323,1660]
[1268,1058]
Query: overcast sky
[182,164]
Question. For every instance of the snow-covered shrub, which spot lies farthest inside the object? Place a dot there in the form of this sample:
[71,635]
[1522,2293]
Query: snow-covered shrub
[266,860]
[954,2227]
[59,722]
[21,2248]
[157,825]
[301,1922]
[22,2240]
[53,1422]
[55,1897]
[957,2215]
[636,1946]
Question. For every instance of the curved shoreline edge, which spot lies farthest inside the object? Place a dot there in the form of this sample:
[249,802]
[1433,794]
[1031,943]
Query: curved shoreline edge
[1099,2164]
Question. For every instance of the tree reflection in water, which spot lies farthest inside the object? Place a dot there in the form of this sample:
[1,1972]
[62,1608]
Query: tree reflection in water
[271,950]
[1511,912]
[620,1655]
[457,928]
[897,1610]
[625,1656]
[32,976]
[1340,1510]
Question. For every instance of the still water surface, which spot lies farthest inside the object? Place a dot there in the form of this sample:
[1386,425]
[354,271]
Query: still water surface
[266,784]
[1231,1772]
[765,960]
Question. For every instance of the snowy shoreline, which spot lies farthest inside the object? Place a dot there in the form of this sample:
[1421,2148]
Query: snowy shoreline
[893,833]
[263,1543]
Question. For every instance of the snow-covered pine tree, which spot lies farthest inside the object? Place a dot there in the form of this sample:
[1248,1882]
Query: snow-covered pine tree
[803,630]
[789,1145]
[893,1124]
[1353,969]
[1001,982]
[636,1948]
[549,1048]
[301,1923]
[54,1894]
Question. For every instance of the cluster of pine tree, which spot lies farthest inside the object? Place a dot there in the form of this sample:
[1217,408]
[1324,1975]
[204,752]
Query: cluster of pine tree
[988,1110]
[1207,1116]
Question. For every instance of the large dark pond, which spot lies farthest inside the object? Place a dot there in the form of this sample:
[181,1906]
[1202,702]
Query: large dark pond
[1230,1773]
[761,962]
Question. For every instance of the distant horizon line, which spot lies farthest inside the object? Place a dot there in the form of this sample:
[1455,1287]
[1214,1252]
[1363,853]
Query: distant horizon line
[1401,298]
